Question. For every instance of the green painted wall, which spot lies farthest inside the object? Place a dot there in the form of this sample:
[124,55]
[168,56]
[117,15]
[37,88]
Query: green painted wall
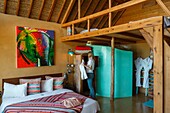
[103,71]
[123,72]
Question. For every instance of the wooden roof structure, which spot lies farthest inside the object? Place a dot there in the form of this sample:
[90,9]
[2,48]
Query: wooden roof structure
[60,11]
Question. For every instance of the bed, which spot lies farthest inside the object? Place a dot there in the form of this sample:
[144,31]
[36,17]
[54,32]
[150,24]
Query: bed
[9,105]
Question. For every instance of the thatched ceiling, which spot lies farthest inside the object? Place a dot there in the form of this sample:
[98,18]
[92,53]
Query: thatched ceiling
[54,10]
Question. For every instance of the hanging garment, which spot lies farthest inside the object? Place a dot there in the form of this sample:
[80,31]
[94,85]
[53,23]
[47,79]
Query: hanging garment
[138,65]
[83,71]
[147,64]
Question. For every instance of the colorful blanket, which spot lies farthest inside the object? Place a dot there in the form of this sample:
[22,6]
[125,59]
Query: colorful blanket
[50,104]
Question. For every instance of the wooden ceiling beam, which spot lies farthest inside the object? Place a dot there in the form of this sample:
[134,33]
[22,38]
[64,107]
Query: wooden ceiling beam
[95,15]
[163,6]
[68,11]
[18,6]
[61,9]
[29,12]
[118,17]
[131,35]
[150,22]
[51,10]
[5,5]
[109,38]
[41,8]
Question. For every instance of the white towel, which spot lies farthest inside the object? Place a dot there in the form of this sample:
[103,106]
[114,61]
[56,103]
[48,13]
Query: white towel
[83,71]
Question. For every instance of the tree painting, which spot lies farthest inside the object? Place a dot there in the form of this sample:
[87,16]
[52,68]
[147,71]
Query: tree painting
[35,47]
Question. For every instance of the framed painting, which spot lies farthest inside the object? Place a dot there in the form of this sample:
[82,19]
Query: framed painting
[35,47]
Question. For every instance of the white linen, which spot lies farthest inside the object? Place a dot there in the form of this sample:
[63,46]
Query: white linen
[83,71]
[92,29]
[11,90]
[47,85]
[89,106]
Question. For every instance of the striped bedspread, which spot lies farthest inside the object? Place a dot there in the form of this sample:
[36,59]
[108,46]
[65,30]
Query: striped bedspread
[49,104]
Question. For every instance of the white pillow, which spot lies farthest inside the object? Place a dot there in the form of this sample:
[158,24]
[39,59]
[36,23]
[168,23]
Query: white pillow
[13,91]
[47,85]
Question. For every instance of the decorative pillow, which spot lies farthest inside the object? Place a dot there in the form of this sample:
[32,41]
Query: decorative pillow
[33,85]
[57,82]
[47,85]
[13,91]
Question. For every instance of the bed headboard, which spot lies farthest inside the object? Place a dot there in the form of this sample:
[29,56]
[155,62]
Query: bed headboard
[16,79]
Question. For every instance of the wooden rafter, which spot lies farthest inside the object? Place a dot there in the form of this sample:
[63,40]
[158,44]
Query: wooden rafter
[148,37]
[42,6]
[117,29]
[77,11]
[61,9]
[105,18]
[99,8]
[51,10]
[92,11]
[68,11]
[29,12]
[118,17]
[131,35]
[115,8]
[5,5]
[84,11]
[18,6]
[163,6]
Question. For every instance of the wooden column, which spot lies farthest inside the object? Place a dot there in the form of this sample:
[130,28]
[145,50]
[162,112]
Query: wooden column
[158,69]
[72,29]
[112,70]
[79,9]
[110,14]
[88,25]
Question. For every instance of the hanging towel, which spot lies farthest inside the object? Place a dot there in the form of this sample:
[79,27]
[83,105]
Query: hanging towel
[83,71]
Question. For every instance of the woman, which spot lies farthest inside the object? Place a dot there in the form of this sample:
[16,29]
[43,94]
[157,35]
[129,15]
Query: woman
[90,73]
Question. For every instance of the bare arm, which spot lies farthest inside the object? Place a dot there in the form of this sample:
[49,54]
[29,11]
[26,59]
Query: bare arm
[89,67]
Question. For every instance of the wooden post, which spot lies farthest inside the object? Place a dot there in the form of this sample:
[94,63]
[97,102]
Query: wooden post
[158,69]
[110,14]
[88,25]
[79,9]
[72,29]
[112,70]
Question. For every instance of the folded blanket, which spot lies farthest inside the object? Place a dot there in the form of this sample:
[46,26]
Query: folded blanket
[71,102]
